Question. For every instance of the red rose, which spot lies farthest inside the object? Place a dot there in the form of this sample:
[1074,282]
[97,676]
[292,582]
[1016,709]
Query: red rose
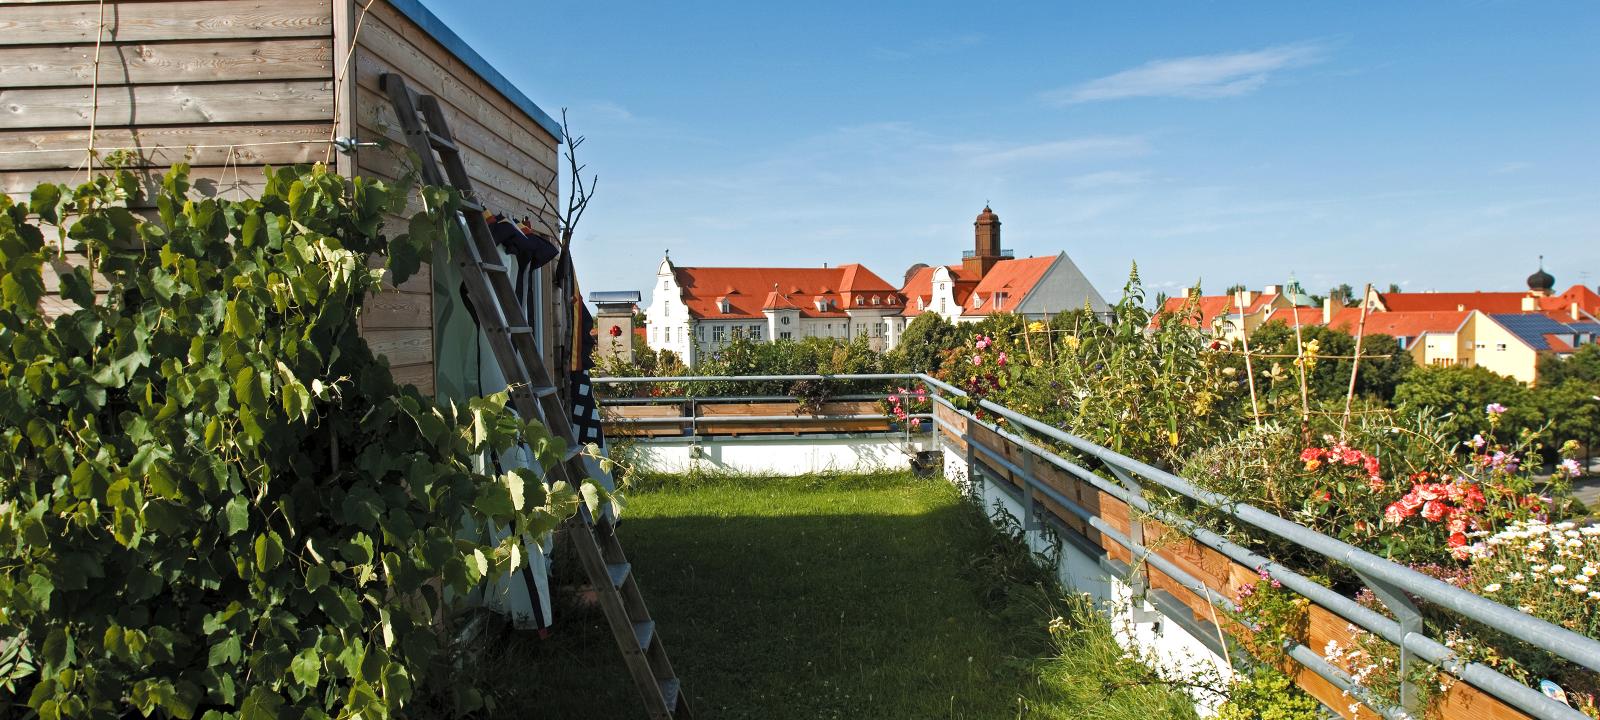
[616,331]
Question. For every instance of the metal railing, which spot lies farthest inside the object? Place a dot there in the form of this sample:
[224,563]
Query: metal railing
[1391,582]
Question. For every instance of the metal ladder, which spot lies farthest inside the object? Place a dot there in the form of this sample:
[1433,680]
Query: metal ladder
[534,395]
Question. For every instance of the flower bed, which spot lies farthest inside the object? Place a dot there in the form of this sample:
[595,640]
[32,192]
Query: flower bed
[1500,565]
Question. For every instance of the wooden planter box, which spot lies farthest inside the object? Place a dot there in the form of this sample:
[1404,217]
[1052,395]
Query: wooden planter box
[803,423]
[1462,701]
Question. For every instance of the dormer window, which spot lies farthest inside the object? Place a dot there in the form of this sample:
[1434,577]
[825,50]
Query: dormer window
[976,301]
[891,300]
[999,300]
[874,299]
[860,301]
[724,306]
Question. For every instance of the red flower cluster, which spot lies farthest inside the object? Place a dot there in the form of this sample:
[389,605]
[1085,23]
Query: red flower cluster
[1342,454]
[1453,502]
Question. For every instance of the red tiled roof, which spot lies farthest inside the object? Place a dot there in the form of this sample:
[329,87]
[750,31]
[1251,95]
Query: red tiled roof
[1557,343]
[749,290]
[1490,302]
[1015,278]
[1588,300]
[1288,316]
[1399,324]
[920,285]
[1208,308]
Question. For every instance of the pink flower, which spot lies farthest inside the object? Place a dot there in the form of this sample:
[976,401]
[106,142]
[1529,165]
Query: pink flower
[916,423]
[1477,442]
[1395,514]
[1434,511]
[983,342]
[1495,408]
[977,359]
[1001,360]
[1570,467]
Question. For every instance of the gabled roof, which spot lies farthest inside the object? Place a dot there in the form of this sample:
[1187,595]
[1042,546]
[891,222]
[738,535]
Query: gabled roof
[1304,316]
[1401,324]
[1491,302]
[749,291]
[1208,309]
[920,285]
[1015,278]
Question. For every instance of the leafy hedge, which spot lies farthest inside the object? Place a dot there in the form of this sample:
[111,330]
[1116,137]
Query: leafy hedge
[216,502]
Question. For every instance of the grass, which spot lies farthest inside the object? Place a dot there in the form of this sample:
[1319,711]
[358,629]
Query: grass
[848,597]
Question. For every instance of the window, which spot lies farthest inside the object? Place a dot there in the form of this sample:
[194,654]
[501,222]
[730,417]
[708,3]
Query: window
[941,305]
[860,301]
[1500,346]
[877,330]
[784,320]
[999,300]
[874,299]
[1481,346]
[891,300]
[785,335]
[755,332]
[700,333]
[861,330]
[716,333]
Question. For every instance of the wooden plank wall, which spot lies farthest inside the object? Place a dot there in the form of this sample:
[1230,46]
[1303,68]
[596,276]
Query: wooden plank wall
[172,74]
[510,157]
[1460,702]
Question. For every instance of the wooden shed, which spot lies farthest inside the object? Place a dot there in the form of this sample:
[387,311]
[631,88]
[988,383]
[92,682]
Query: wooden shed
[231,86]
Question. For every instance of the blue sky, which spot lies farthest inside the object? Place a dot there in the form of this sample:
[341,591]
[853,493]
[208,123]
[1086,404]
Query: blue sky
[1435,145]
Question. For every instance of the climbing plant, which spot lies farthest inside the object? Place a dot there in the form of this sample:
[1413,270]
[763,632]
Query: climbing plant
[216,502]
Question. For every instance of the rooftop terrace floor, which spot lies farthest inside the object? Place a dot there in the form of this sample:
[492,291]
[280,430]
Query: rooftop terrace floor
[852,597]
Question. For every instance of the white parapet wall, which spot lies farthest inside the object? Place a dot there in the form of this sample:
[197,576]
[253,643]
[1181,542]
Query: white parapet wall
[1137,623]
[773,455]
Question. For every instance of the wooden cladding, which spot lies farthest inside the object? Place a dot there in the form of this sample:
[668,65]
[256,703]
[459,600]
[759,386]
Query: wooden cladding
[43,23]
[1460,701]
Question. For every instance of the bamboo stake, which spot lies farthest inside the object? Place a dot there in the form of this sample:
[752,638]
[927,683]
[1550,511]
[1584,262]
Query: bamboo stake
[1249,372]
[1355,364]
[1300,350]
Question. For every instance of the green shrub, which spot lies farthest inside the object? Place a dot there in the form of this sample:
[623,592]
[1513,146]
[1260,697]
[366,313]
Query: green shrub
[219,504]
[1266,694]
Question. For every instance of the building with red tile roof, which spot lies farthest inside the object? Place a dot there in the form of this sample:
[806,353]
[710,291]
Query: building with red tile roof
[699,309]
[1242,311]
[696,310]
[991,280]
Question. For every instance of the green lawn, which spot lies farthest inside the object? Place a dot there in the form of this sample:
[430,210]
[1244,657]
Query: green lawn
[864,597]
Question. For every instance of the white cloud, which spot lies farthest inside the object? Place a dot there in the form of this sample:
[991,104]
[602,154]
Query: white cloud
[1197,76]
[1103,146]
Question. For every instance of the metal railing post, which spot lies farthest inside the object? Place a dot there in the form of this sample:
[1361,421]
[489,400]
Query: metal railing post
[1409,617]
[1138,580]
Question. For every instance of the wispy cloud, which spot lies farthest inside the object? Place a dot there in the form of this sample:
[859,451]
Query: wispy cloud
[1511,167]
[1196,76]
[1107,179]
[1096,147]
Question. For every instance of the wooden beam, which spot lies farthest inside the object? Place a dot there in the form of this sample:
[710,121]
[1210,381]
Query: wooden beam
[56,23]
[143,63]
[144,105]
[166,145]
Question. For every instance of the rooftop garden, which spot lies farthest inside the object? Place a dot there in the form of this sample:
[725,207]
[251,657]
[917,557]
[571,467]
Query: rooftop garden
[1457,473]
[882,596]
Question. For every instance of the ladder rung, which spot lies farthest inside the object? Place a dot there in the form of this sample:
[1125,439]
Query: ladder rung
[440,142]
[619,573]
[512,329]
[471,206]
[538,392]
[487,266]
[670,688]
[644,631]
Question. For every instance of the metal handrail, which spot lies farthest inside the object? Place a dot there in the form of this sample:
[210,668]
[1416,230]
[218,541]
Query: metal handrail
[1375,571]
